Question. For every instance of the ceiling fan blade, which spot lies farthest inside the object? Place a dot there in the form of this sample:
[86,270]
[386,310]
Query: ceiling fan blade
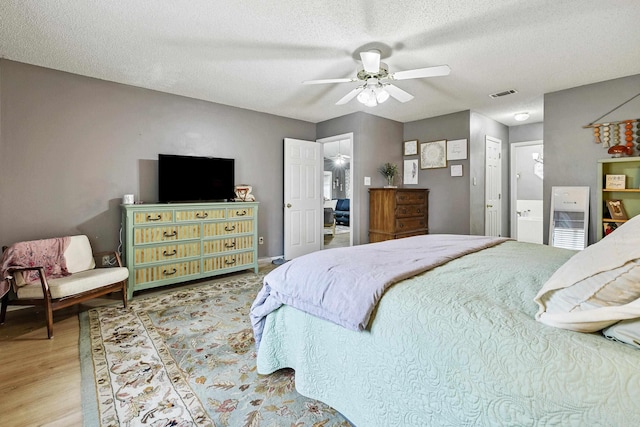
[398,93]
[440,70]
[370,61]
[323,81]
[348,97]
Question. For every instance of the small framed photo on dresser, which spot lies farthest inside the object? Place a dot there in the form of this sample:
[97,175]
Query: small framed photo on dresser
[411,147]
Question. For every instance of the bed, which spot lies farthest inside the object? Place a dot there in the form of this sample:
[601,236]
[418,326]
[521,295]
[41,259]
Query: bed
[464,343]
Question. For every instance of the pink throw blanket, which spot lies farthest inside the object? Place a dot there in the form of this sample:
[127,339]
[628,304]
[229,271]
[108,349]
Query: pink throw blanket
[46,253]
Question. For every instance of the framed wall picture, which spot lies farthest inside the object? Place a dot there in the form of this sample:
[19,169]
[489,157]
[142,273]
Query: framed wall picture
[411,147]
[616,209]
[457,149]
[410,171]
[433,154]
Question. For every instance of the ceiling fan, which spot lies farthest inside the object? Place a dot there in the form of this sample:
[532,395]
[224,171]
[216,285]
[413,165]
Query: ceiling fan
[376,87]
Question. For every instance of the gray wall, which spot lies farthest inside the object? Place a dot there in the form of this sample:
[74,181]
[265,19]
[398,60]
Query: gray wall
[570,154]
[525,133]
[375,141]
[71,146]
[448,196]
[481,127]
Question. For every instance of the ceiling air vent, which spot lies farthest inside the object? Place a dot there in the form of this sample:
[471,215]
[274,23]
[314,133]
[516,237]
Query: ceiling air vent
[503,93]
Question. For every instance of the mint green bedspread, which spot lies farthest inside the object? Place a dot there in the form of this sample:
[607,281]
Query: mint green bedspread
[459,346]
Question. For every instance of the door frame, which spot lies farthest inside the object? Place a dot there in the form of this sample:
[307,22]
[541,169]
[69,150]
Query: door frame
[341,137]
[513,183]
[498,181]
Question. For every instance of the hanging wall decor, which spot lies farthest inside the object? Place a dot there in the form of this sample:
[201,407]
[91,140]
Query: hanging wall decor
[617,137]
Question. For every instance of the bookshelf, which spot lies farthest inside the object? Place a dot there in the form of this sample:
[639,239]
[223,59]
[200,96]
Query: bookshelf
[629,196]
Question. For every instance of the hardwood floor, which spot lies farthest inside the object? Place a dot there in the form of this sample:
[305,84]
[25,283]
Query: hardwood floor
[40,377]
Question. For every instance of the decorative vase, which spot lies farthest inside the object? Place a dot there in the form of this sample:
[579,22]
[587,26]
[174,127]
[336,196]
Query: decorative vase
[390,182]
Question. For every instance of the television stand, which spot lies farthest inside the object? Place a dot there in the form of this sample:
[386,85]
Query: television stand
[177,242]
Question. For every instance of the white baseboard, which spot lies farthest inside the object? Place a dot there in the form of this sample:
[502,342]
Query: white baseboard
[268,260]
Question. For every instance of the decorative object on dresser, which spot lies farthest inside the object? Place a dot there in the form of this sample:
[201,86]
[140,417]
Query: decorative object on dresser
[243,193]
[395,213]
[172,243]
[618,179]
[389,171]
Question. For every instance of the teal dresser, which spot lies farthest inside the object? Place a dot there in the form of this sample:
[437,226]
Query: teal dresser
[172,243]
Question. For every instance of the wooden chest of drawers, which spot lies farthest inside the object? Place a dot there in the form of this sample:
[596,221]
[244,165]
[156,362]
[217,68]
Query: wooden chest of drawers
[171,243]
[397,212]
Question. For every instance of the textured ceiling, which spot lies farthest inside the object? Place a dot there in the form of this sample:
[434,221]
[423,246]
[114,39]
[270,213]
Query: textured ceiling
[254,54]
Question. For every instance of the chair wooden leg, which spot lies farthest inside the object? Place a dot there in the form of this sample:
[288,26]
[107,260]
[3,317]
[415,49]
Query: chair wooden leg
[3,309]
[48,312]
[124,294]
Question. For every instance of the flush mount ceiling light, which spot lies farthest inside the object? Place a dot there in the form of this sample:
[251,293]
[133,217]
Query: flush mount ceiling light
[521,117]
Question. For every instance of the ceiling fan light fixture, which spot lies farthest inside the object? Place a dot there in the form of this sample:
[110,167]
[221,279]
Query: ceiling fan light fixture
[381,94]
[363,97]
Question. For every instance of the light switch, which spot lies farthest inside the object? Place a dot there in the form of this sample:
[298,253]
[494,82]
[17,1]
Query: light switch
[367,180]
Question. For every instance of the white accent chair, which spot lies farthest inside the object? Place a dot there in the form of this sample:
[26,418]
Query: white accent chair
[85,281]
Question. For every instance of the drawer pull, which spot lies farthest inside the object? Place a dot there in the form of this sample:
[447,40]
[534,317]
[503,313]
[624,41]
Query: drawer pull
[243,213]
[165,253]
[230,245]
[169,273]
[157,218]
[201,216]
[227,228]
[401,225]
[227,262]
[174,234]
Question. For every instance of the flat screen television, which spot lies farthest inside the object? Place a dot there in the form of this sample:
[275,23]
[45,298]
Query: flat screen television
[195,179]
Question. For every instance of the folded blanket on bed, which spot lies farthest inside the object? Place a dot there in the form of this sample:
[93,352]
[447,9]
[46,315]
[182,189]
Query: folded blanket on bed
[343,285]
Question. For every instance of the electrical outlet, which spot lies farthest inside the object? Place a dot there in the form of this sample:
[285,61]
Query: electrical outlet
[106,260]
[260,240]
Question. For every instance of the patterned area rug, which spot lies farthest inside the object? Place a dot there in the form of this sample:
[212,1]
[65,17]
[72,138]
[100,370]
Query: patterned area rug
[187,358]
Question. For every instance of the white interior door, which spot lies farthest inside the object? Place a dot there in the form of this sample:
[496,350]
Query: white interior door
[493,185]
[303,178]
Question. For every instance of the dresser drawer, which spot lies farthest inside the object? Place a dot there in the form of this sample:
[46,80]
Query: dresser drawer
[166,271]
[199,214]
[409,224]
[165,234]
[152,217]
[403,211]
[213,229]
[227,261]
[245,212]
[225,245]
[410,197]
[147,254]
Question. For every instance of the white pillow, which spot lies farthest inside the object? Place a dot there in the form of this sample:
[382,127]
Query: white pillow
[626,331]
[598,286]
